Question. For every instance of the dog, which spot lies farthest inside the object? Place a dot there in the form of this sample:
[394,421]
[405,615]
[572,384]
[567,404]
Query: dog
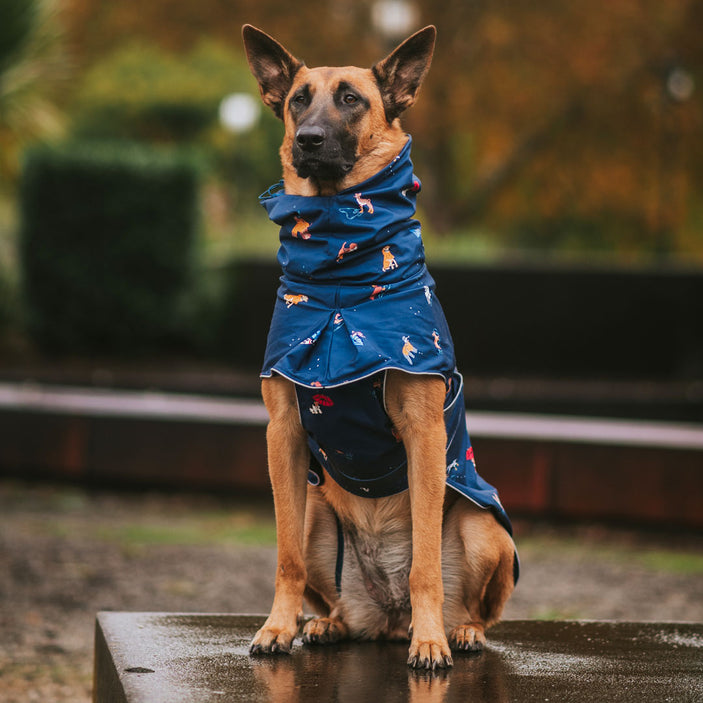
[389,552]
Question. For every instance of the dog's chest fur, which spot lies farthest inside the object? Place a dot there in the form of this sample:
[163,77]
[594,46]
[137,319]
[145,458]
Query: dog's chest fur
[375,595]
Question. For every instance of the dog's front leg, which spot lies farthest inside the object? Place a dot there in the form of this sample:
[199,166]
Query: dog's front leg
[415,406]
[288,459]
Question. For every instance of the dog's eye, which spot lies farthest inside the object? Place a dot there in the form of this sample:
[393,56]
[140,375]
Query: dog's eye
[299,99]
[350,99]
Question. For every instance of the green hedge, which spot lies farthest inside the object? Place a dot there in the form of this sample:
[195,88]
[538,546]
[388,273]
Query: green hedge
[106,246]
[143,93]
[6,310]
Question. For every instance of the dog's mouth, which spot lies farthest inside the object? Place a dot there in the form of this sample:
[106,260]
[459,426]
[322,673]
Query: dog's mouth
[327,160]
[313,166]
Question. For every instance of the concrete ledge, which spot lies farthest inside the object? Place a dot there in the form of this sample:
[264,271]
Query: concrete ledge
[189,658]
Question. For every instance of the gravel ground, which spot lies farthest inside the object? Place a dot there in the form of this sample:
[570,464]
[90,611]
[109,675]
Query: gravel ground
[66,553]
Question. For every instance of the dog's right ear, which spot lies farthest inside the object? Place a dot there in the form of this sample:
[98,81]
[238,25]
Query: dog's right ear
[273,67]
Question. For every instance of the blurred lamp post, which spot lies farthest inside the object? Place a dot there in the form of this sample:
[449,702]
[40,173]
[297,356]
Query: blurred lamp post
[394,18]
[239,112]
[678,87]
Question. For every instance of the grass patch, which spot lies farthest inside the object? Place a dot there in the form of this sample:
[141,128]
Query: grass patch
[671,561]
[555,614]
[463,247]
[134,532]
[8,232]
[250,235]
[239,530]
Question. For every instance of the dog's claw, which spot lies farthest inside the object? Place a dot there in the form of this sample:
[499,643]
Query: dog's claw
[323,631]
[275,648]
[272,641]
[431,659]
[468,638]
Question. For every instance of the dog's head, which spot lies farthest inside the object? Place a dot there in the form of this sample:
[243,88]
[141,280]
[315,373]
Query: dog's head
[341,124]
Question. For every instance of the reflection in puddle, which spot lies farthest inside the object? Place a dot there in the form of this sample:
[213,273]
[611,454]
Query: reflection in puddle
[377,672]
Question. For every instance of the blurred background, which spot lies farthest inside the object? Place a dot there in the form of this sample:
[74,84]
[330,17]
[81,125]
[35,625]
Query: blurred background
[559,148]
[562,168]
[547,134]
[550,133]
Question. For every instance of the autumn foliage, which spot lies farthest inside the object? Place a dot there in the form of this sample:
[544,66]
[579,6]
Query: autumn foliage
[556,123]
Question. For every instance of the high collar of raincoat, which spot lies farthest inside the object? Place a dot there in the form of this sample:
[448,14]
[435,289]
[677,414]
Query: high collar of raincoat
[340,238]
[355,295]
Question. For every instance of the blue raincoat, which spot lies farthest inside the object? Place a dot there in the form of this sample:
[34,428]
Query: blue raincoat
[355,300]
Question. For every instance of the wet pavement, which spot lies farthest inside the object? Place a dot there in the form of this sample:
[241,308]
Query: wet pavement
[174,658]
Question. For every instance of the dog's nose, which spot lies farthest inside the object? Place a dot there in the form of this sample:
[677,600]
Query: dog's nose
[310,137]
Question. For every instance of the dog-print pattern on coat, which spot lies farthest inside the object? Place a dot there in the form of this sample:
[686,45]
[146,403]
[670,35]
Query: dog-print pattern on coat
[369,306]
[369,299]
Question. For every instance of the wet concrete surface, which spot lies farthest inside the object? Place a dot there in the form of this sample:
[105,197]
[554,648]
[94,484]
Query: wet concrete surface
[190,658]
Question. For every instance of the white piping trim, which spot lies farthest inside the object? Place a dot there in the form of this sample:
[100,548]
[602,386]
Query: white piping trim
[269,374]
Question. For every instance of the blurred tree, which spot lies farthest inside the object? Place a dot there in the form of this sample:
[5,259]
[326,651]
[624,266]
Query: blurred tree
[555,114]
[30,60]
[319,31]
[142,92]
[558,124]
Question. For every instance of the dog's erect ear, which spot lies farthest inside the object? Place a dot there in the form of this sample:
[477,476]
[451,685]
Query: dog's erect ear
[272,65]
[400,74]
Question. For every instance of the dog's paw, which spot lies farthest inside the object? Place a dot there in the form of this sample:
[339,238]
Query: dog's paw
[271,640]
[324,631]
[468,638]
[430,655]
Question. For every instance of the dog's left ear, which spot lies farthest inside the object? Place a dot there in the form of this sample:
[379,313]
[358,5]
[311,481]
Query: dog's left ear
[400,74]
[273,66]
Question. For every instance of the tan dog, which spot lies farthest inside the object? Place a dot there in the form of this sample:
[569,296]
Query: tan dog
[423,562]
